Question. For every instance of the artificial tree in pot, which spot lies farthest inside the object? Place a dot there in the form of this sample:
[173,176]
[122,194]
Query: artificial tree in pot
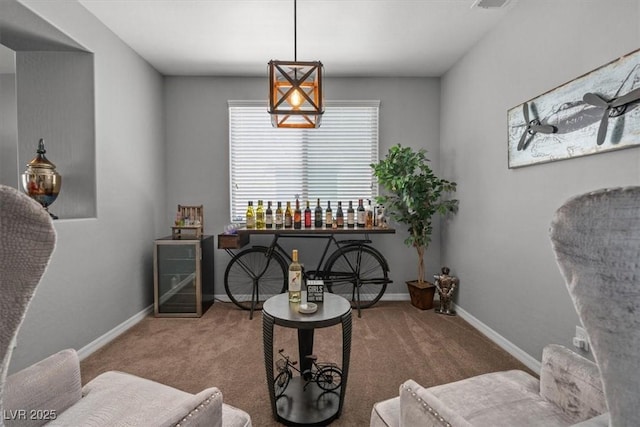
[413,195]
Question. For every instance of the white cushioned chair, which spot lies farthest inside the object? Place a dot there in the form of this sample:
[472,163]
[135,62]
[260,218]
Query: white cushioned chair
[569,391]
[596,240]
[50,392]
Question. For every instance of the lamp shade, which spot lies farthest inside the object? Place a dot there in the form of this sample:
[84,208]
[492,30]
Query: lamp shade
[295,94]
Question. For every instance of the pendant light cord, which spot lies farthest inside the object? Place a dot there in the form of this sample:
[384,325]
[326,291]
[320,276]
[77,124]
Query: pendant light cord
[295,31]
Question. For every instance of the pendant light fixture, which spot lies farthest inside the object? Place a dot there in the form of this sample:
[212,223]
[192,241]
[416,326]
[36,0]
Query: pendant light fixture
[295,89]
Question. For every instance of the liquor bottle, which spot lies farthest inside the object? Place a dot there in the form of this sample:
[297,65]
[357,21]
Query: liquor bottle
[369,215]
[297,216]
[260,216]
[268,217]
[361,215]
[328,216]
[279,216]
[350,216]
[307,216]
[251,219]
[288,216]
[375,215]
[295,278]
[340,216]
[317,216]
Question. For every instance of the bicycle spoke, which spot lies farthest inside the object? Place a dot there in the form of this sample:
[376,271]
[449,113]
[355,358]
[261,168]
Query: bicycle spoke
[357,271]
[251,275]
[281,382]
[329,378]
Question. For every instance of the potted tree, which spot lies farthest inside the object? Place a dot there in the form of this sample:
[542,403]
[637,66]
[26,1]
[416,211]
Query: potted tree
[413,195]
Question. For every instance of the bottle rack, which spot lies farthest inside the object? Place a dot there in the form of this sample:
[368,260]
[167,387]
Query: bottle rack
[189,222]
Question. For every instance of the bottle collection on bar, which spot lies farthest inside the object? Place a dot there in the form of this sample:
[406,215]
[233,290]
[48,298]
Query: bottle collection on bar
[296,218]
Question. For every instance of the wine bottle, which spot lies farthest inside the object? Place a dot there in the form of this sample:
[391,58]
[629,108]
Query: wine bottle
[268,216]
[350,216]
[295,278]
[279,216]
[317,216]
[340,216]
[297,216]
[369,215]
[307,216]
[251,219]
[361,215]
[260,225]
[288,216]
[328,215]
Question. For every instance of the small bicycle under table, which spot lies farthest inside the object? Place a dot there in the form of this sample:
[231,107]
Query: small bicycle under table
[355,270]
[327,375]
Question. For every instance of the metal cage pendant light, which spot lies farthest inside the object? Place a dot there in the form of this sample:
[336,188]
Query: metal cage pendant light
[295,89]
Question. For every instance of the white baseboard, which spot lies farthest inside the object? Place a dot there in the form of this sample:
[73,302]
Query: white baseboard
[501,341]
[386,297]
[105,339]
[395,297]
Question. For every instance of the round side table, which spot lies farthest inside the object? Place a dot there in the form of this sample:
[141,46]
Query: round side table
[302,403]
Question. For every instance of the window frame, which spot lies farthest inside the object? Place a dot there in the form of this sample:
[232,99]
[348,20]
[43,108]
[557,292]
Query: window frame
[368,142]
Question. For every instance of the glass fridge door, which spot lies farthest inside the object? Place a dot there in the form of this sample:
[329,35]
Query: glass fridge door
[178,270]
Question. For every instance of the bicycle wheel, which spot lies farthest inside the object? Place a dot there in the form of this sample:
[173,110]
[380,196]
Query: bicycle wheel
[251,275]
[281,382]
[329,378]
[357,269]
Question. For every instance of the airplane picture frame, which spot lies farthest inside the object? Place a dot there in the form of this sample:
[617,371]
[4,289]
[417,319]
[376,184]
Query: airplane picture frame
[594,113]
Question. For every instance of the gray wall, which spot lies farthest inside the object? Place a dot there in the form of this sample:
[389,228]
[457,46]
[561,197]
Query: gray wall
[55,93]
[498,244]
[101,271]
[198,161]
[8,129]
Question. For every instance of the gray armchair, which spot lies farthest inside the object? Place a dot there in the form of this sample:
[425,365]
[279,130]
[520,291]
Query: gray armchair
[50,392]
[596,239]
[569,391]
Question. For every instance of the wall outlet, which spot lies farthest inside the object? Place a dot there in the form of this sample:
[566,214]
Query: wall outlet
[581,340]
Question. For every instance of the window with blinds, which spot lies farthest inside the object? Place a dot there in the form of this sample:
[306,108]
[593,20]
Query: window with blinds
[331,162]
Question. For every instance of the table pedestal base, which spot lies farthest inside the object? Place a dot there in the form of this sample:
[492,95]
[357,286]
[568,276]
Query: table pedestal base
[310,406]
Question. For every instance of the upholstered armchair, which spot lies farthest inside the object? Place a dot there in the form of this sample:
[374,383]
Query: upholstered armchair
[569,391]
[50,392]
[596,240]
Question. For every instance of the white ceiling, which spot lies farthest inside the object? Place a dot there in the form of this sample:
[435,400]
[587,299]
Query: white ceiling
[350,37]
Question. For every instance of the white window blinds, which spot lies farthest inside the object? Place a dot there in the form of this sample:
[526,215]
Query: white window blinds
[331,163]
